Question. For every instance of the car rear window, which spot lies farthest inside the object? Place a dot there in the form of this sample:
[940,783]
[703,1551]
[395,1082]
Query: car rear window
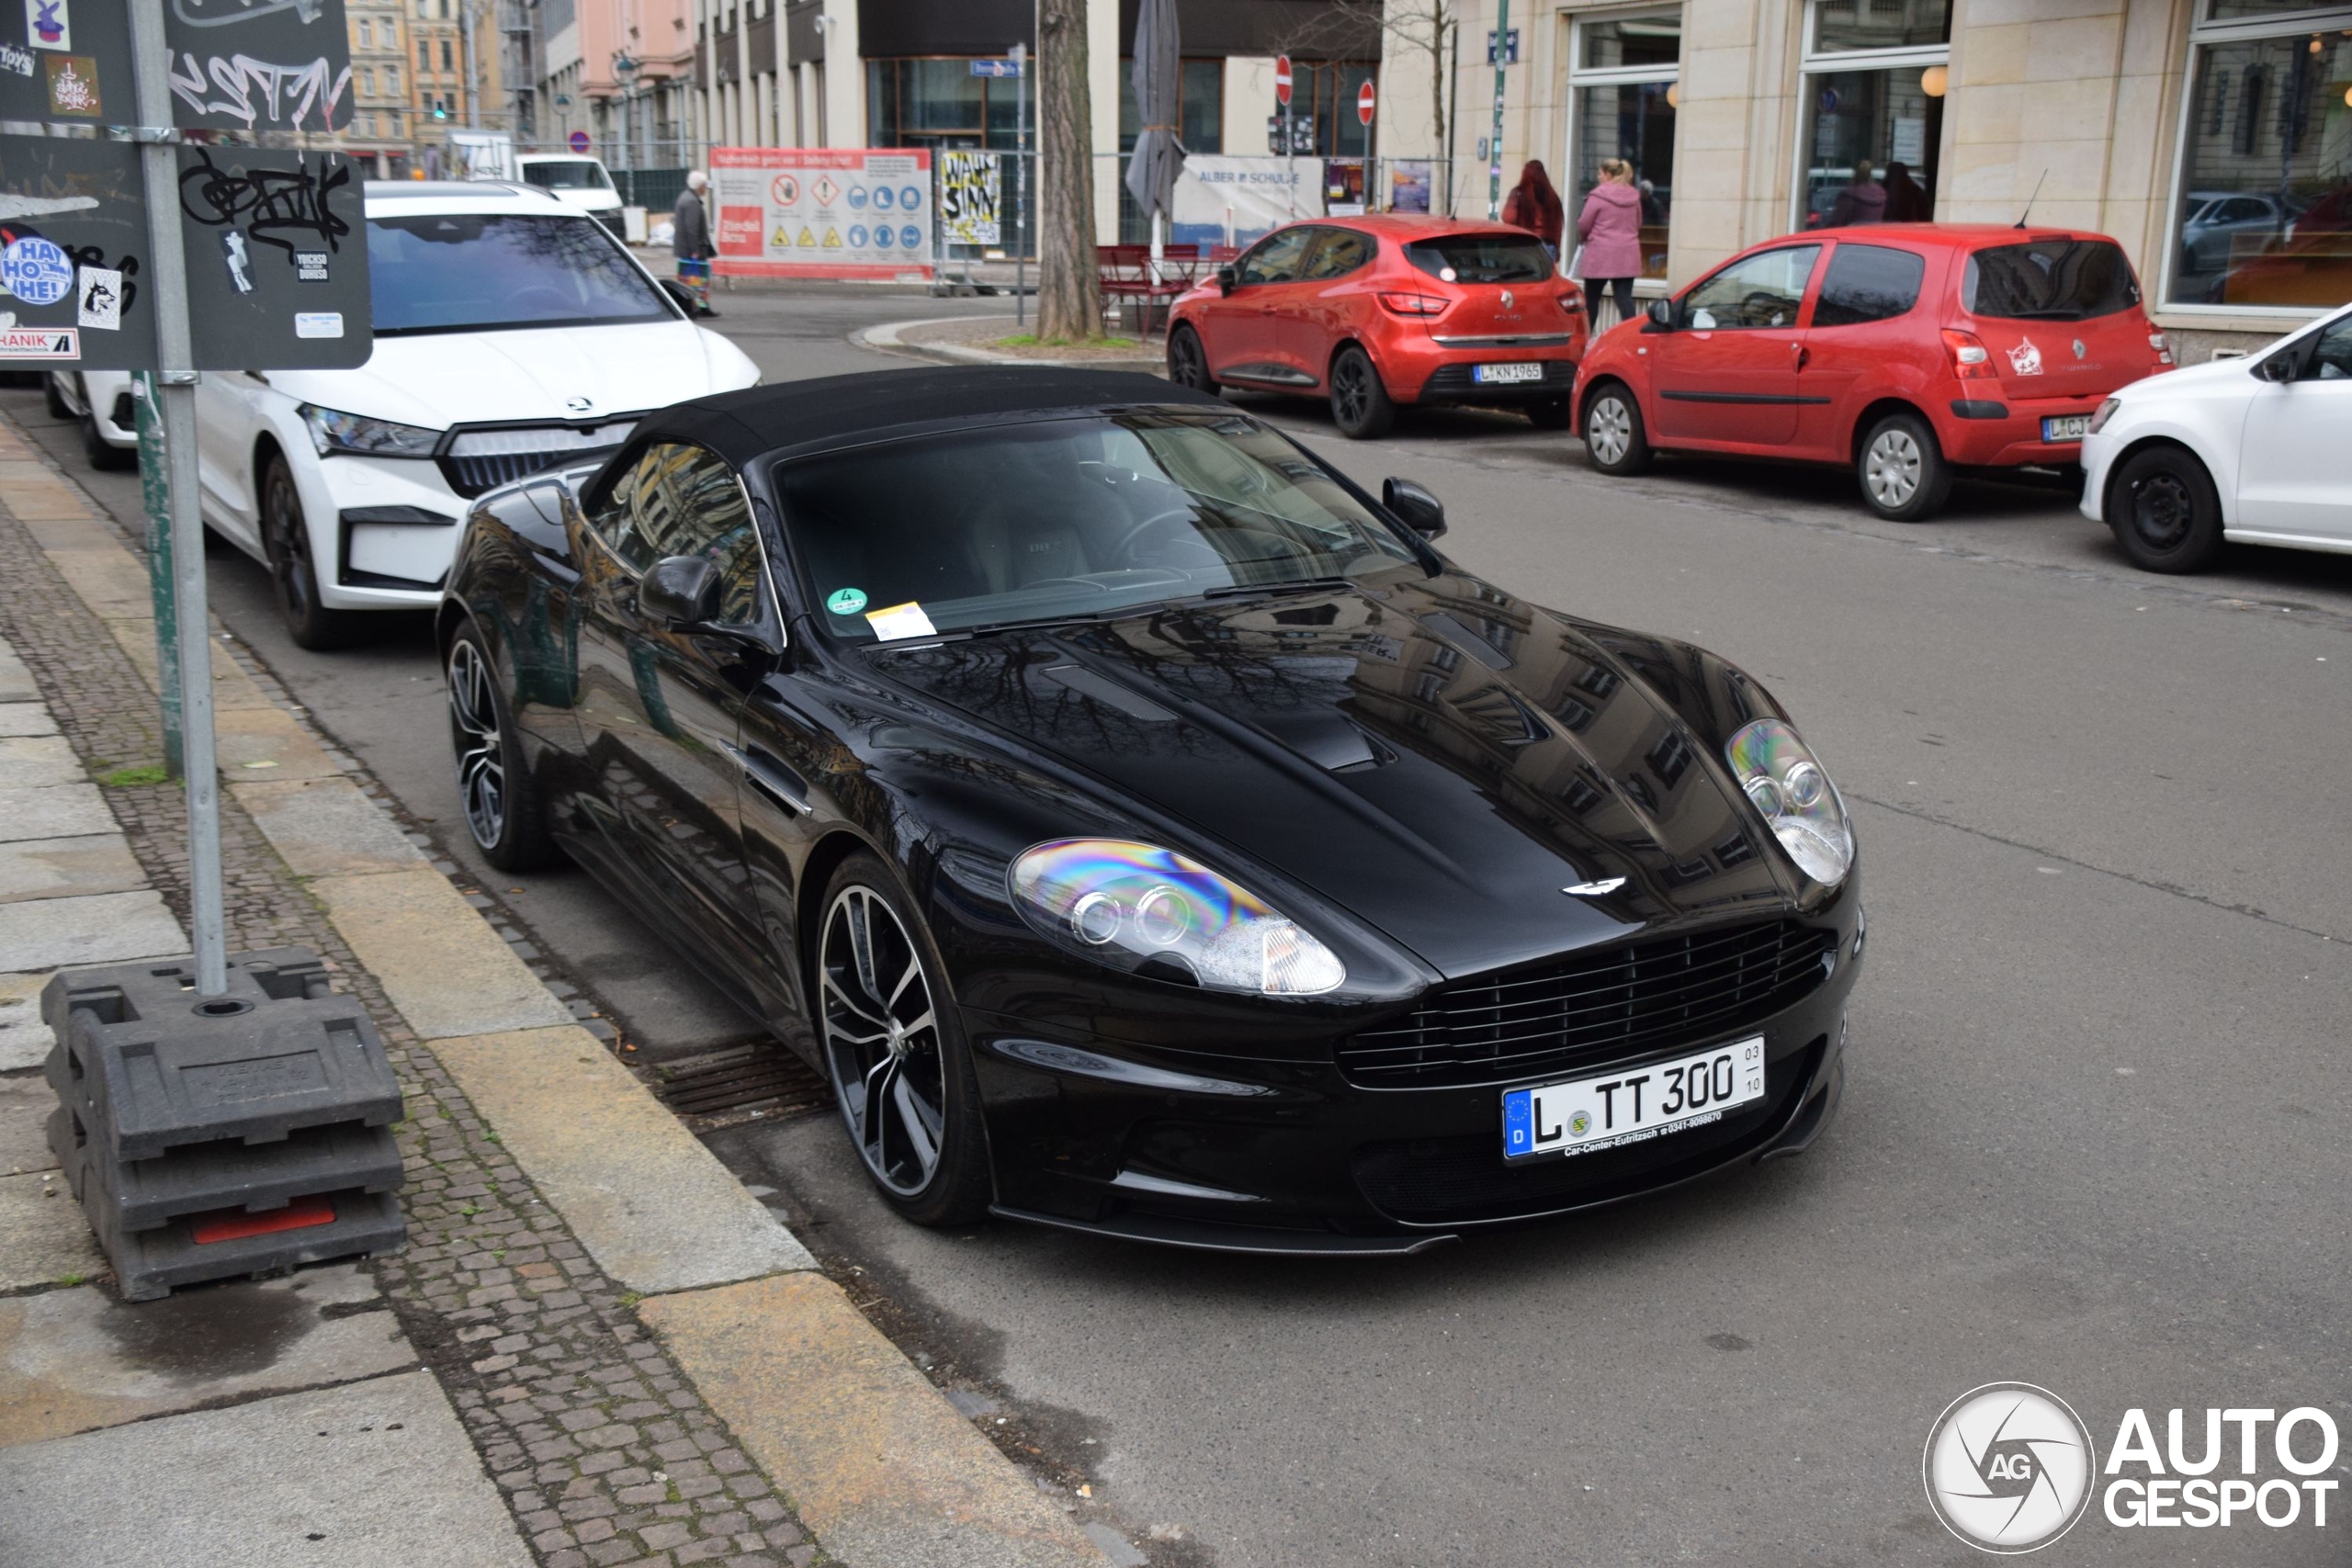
[2050,280]
[1482,258]
[1868,283]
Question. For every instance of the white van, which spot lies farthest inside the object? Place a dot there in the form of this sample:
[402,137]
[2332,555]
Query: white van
[579,182]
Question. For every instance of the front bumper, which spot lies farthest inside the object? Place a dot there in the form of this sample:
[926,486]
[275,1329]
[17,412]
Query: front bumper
[1207,1150]
[389,526]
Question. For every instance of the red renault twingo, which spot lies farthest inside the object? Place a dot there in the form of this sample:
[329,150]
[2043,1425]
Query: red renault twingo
[1386,310]
[1910,351]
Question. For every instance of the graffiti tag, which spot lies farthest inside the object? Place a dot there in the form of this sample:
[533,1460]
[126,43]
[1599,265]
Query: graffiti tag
[271,205]
[256,92]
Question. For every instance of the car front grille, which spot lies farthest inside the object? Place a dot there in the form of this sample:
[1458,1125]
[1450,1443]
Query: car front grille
[1592,1008]
[1453,380]
[479,460]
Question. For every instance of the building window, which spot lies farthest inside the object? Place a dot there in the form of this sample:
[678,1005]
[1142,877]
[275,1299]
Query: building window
[391,81]
[938,103]
[1621,79]
[366,34]
[1870,137]
[1323,99]
[424,55]
[446,64]
[2263,218]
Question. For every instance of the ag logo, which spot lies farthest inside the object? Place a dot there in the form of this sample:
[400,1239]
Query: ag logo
[2008,1468]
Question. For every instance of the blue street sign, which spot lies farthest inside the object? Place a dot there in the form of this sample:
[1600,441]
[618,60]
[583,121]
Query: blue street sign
[996,68]
[1511,47]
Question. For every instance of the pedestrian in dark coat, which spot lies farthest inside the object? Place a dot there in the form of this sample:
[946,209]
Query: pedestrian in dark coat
[690,240]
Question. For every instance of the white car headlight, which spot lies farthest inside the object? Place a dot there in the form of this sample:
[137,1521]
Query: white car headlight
[1139,907]
[334,432]
[2106,412]
[1789,785]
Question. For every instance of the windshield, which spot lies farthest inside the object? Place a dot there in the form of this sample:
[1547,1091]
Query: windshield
[567,177]
[1482,258]
[471,271]
[2050,280]
[1067,517]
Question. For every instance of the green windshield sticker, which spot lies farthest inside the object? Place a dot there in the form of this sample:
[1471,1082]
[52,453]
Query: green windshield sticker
[846,601]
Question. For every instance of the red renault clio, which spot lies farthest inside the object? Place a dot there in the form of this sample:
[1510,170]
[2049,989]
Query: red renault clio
[1910,351]
[1392,308]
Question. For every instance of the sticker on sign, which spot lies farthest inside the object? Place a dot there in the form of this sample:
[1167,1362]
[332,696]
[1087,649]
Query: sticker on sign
[39,343]
[318,324]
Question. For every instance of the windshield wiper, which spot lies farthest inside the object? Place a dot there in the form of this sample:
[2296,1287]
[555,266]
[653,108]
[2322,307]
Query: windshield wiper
[1294,585]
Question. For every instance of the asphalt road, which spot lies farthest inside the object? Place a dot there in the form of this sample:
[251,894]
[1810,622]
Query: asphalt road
[2085,1141]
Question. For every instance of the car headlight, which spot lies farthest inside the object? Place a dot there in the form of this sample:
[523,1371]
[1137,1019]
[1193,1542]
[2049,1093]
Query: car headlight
[334,432]
[1790,786]
[1139,907]
[2106,412]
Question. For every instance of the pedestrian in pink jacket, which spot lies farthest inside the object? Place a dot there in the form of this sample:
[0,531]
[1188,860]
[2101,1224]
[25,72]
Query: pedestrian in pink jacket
[1610,227]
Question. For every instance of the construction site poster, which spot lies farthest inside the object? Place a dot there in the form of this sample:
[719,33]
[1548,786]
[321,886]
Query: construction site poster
[815,212]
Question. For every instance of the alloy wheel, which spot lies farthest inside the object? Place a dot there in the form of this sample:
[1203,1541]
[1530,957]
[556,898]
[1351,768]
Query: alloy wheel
[882,1040]
[2162,511]
[474,733]
[1349,390]
[1893,468]
[289,552]
[1189,368]
[1609,430]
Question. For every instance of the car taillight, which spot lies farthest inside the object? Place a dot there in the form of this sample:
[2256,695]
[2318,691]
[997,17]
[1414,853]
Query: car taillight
[1572,301]
[1414,304]
[1970,361]
[2163,348]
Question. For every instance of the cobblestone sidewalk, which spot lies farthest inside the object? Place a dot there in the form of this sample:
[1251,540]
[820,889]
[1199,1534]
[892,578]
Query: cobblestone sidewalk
[604,1453]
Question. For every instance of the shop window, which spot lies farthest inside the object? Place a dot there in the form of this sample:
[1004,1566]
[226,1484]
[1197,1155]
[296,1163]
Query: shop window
[2264,214]
[938,103]
[1843,25]
[1870,143]
[1624,92]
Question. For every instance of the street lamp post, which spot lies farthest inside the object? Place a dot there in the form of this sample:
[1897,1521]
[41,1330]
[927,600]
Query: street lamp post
[624,70]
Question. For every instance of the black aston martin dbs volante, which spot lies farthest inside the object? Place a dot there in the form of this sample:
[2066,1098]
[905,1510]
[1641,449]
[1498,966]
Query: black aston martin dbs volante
[1147,830]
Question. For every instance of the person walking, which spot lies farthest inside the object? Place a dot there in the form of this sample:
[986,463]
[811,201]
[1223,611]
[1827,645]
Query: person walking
[1610,227]
[1907,200]
[1534,206]
[1864,201]
[690,240]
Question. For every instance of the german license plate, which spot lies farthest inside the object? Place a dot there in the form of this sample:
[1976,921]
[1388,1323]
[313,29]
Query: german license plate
[1632,1105]
[1492,375]
[2066,427]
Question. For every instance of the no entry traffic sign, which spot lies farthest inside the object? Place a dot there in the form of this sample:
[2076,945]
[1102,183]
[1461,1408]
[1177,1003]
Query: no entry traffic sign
[578,140]
[1364,104]
[1282,78]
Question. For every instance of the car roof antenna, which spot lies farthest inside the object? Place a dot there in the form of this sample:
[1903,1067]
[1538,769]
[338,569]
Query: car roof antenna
[2034,198]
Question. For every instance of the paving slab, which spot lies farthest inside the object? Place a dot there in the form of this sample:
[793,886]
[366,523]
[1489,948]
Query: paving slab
[43,1238]
[16,681]
[53,811]
[24,1105]
[24,718]
[267,742]
[109,578]
[442,966]
[25,1040]
[53,933]
[376,1474]
[46,499]
[61,868]
[76,1360]
[231,687]
[30,761]
[881,1466]
[652,1205]
[71,529]
[327,827]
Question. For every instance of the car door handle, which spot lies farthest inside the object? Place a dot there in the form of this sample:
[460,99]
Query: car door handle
[1804,355]
[772,779]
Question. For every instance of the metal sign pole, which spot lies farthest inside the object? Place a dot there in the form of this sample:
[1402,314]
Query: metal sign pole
[176,396]
[1494,148]
[155,502]
[1020,182]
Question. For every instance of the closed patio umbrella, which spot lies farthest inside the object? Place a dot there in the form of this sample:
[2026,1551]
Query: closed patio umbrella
[1158,157]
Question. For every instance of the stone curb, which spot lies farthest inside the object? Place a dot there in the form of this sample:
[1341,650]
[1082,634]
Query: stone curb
[886,339]
[484,1015]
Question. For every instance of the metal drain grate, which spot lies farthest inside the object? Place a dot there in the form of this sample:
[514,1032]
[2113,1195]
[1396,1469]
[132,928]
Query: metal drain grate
[762,1075]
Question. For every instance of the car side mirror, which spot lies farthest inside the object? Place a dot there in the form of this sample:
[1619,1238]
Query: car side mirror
[1419,509]
[683,298]
[680,591]
[1661,314]
[2281,366]
[1227,280]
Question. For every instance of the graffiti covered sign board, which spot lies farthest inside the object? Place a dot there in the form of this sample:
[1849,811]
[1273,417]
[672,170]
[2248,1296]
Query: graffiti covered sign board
[256,65]
[277,245]
[65,60]
[72,241]
[808,213]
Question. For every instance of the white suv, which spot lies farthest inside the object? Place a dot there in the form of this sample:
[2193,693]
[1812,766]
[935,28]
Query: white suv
[2250,450]
[512,335]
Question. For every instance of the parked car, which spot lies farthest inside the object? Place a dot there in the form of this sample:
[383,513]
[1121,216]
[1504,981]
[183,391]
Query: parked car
[1380,311]
[1910,351]
[1148,831]
[2219,222]
[99,402]
[512,335]
[2252,450]
[578,181]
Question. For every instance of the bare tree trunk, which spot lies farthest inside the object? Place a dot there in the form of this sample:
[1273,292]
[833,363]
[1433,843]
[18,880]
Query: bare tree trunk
[1070,298]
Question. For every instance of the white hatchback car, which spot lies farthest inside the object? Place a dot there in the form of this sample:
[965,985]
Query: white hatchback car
[512,335]
[2247,450]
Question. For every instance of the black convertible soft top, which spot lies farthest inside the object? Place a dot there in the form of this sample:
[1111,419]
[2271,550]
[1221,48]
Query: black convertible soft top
[841,409]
